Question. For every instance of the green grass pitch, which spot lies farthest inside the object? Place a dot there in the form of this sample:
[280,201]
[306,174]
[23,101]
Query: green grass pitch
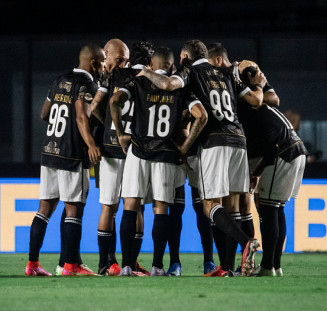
[303,287]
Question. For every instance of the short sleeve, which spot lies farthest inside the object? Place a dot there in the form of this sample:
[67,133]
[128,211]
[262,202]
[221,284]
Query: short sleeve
[129,89]
[86,91]
[191,100]
[183,75]
[240,88]
[268,88]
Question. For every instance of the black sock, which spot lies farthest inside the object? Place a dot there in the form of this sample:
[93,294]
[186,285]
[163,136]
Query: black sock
[247,224]
[138,238]
[112,245]
[231,246]
[62,239]
[220,242]
[38,228]
[269,234]
[204,227]
[175,229]
[226,223]
[160,237]
[127,234]
[281,237]
[72,235]
[103,242]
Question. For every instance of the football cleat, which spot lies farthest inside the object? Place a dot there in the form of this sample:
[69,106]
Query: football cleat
[33,268]
[86,267]
[259,271]
[76,270]
[140,270]
[114,269]
[248,256]
[59,270]
[126,271]
[279,272]
[155,271]
[208,267]
[238,271]
[175,269]
[217,272]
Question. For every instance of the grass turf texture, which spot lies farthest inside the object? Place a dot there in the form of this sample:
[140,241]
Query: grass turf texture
[303,287]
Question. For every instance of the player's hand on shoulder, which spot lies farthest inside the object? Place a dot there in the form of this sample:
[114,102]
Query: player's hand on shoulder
[245,64]
[143,71]
[94,154]
[124,141]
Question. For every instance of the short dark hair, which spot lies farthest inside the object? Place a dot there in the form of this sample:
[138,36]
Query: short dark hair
[216,49]
[196,49]
[141,53]
[163,52]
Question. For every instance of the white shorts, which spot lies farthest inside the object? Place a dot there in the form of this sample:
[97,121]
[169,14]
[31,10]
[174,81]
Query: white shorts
[67,186]
[182,172]
[222,170]
[282,180]
[142,177]
[111,175]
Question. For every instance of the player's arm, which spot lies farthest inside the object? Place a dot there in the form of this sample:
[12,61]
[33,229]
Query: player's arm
[99,105]
[161,81]
[45,111]
[201,117]
[117,102]
[255,97]
[270,98]
[83,113]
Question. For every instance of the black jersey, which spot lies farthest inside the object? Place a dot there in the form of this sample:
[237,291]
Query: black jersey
[156,118]
[217,89]
[111,146]
[64,147]
[270,134]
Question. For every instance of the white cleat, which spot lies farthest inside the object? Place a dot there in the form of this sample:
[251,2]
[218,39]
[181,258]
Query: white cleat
[59,270]
[158,272]
[259,271]
[126,271]
[279,272]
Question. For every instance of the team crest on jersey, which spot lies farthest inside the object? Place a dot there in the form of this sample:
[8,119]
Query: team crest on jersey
[65,85]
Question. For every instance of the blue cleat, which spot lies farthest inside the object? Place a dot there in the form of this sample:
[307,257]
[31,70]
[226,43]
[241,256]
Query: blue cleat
[209,266]
[175,269]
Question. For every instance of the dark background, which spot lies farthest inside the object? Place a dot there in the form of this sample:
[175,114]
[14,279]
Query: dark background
[39,40]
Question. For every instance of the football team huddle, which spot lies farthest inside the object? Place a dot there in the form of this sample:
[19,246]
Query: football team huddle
[145,127]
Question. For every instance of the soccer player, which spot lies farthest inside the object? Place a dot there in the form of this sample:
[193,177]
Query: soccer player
[278,174]
[117,55]
[240,210]
[66,155]
[113,160]
[152,157]
[222,155]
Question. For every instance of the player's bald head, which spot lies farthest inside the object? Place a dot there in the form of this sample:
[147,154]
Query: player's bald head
[117,54]
[163,58]
[115,45]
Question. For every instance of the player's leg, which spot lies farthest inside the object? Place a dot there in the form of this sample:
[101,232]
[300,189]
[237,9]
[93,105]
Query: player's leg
[163,194]
[135,185]
[204,226]
[175,228]
[49,197]
[246,215]
[110,178]
[280,241]
[107,238]
[37,233]
[160,231]
[231,203]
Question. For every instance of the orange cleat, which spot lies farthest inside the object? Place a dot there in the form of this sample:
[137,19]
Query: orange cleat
[76,270]
[114,270]
[217,272]
[33,268]
[140,271]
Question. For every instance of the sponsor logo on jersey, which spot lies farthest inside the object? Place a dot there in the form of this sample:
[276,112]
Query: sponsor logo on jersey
[65,85]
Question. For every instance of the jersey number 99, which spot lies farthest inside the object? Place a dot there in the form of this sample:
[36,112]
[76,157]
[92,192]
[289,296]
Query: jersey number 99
[221,105]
